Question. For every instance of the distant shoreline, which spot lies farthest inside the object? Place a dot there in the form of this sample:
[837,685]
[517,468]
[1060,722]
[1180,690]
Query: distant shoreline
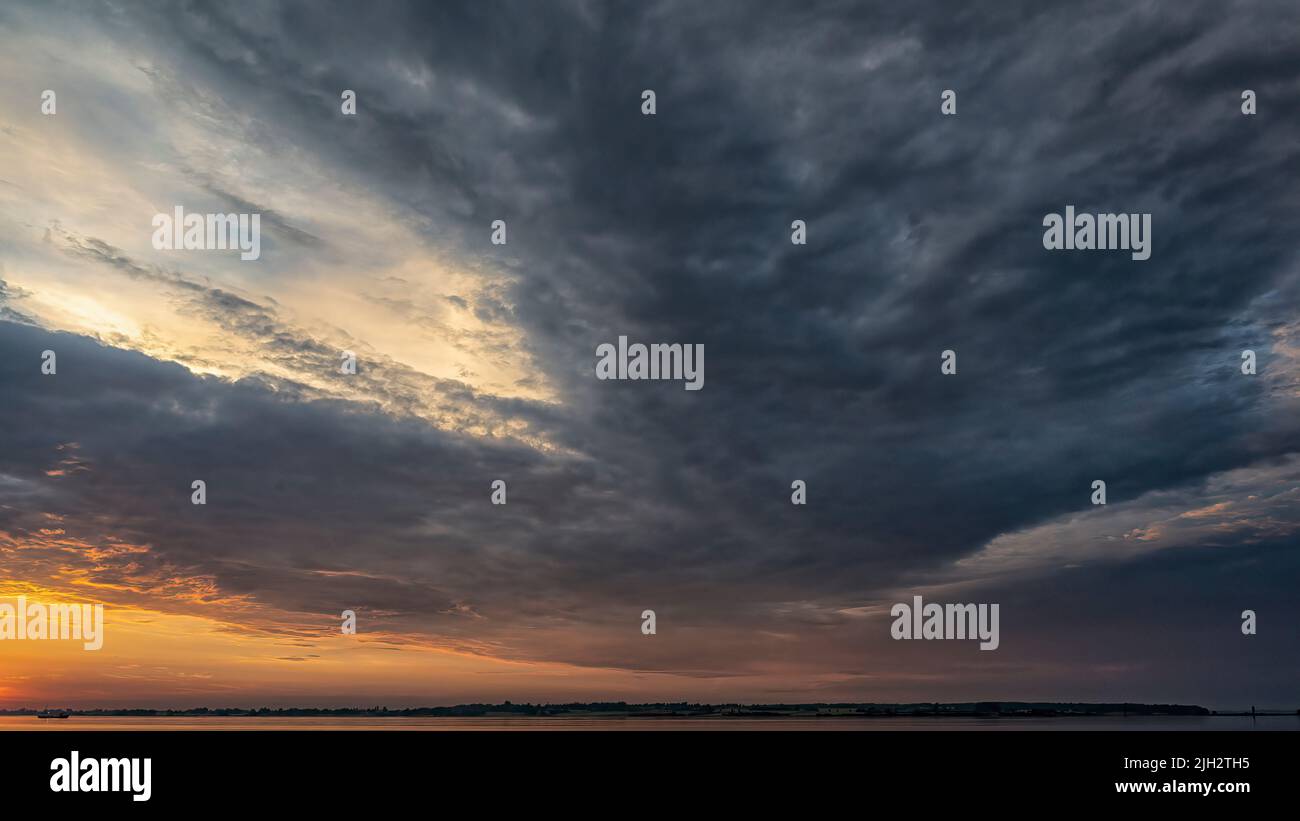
[1010,710]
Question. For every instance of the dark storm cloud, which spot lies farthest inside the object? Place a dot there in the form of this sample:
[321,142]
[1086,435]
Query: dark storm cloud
[349,488]
[822,361]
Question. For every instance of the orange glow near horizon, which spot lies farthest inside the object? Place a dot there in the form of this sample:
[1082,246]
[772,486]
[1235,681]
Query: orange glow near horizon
[166,660]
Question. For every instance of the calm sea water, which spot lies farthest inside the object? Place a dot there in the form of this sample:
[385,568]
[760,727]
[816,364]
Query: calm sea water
[556,723]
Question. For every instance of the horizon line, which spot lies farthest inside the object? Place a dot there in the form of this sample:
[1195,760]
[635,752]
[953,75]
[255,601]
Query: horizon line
[983,706]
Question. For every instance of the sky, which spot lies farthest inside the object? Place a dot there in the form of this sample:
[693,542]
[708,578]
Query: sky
[476,361]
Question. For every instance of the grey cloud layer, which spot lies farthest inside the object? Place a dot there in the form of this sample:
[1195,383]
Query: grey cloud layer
[924,234]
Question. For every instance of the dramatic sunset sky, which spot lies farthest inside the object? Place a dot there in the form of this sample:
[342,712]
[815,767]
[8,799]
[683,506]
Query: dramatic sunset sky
[370,492]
